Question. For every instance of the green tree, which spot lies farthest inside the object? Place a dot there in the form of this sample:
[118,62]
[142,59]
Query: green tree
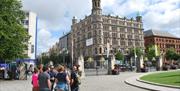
[152,52]
[119,56]
[44,58]
[139,52]
[13,37]
[171,54]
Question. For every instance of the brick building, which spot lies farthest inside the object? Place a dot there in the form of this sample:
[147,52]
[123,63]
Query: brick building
[163,40]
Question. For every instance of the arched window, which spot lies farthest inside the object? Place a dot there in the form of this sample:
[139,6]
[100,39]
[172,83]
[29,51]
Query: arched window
[100,50]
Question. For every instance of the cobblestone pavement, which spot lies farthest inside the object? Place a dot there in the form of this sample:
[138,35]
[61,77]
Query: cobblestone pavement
[15,85]
[89,83]
[109,83]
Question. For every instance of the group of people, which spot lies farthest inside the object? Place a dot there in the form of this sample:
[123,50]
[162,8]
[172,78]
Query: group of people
[50,78]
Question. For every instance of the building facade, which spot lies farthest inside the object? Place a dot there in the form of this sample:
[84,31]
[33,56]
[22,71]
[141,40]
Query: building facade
[30,24]
[64,42]
[90,36]
[163,40]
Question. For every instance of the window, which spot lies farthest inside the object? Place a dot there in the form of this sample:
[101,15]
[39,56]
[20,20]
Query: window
[83,30]
[122,42]
[105,40]
[128,24]
[106,27]
[100,50]
[136,37]
[78,39]
[129,36]
[114,35]
[78,33]
[106,34]
[137,43]
[115,41]
[114,28]
[105,20]
[122,35]
[136,25]
[94,26]
[95,32]
[32,48]
[89,34]
[130,43]
[136,31]
[84,36]
[121,23]
[122,30]
[100,40]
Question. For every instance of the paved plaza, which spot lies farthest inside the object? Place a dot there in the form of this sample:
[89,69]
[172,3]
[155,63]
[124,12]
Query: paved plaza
[89,83]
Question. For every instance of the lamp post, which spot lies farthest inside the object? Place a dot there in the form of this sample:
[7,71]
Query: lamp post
[109,59]
[135,56]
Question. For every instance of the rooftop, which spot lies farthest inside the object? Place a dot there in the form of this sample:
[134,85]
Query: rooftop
[153,32]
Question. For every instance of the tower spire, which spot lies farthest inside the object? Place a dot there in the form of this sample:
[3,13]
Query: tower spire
[96,7]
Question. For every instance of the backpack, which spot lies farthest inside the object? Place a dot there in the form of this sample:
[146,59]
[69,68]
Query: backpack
[77,79]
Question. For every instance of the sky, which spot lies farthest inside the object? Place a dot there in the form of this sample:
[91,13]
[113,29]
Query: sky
[55,16]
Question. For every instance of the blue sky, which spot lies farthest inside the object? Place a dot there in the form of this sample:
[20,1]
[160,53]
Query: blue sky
[54,16]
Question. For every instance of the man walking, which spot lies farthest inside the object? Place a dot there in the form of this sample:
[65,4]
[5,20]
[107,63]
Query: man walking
[52,74]
[44,80]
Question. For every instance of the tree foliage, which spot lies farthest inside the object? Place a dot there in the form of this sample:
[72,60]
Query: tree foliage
[13,37]
[119,56]
[139,52]
[152,51]
[172,55]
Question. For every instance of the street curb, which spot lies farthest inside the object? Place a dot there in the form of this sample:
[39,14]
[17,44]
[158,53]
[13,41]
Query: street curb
[139,86]
[147,88]
[152,83]
[158,84]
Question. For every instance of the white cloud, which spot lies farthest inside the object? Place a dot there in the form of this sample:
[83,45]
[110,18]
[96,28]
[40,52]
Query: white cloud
[45,40]
[56,15]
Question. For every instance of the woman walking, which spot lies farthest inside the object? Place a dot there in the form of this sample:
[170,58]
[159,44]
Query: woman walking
[35,80]
[62,79]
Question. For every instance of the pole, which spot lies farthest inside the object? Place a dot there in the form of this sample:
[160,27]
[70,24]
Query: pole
[109,59]
[72,51]
[135,64]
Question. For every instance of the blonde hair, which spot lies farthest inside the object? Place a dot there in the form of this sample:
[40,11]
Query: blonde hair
[60,68]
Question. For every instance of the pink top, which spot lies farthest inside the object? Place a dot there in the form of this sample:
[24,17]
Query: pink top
[35,80]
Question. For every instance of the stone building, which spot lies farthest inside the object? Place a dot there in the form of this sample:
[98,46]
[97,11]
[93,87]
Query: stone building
[89,37]
[163,40]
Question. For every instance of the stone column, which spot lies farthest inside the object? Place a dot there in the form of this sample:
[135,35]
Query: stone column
[113,62]
[81,64]
[140,63]
[159,61]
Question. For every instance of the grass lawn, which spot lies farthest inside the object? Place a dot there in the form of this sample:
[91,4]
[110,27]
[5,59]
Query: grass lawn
[169,78]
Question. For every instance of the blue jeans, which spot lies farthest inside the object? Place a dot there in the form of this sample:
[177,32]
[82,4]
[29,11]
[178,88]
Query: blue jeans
[62,86]
[44,89]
